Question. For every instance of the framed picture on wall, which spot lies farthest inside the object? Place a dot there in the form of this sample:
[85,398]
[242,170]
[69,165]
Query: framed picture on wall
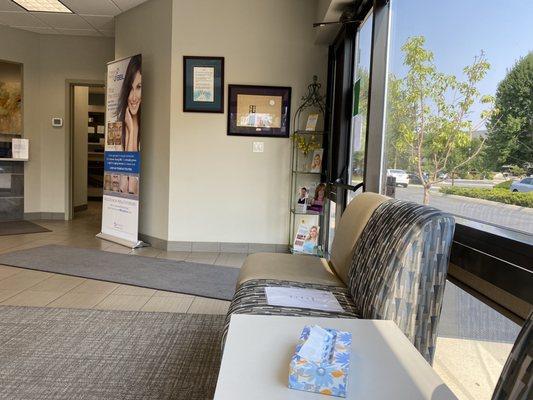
[203,84]
[10,98]
[259,110]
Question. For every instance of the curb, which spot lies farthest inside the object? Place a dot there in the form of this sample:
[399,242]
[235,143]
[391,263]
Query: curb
[487,202]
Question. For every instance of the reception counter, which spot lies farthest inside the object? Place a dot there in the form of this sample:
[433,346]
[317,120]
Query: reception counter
[11,189]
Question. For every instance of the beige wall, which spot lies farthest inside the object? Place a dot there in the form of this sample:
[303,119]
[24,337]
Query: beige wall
[79,148]
[49,61]
[147,29]
[63,58]
[220,191]
[197,183]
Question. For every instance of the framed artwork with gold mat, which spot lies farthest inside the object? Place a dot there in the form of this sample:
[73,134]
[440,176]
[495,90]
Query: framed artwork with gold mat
[262,111]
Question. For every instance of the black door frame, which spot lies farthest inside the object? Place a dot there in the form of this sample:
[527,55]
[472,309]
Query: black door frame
[339,115]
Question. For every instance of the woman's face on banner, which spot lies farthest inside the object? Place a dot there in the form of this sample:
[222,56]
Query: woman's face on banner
[115,182]
[123,183]
[134,99]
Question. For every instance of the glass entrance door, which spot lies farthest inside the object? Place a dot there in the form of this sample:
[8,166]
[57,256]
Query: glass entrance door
[358,129]
[339,107]
[348,95]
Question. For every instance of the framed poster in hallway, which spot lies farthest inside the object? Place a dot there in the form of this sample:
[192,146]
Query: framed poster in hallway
[203,84]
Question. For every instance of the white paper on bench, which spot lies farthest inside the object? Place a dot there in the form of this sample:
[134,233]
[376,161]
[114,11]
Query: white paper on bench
[302,298]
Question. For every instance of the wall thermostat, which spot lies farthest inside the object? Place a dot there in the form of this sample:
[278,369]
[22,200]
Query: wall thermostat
[57,122]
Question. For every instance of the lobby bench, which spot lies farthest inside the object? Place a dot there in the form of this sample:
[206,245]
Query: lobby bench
[389,260]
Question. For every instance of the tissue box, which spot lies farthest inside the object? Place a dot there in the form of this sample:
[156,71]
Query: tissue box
[330,375]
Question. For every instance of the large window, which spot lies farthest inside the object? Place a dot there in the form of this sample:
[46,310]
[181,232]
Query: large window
[459,128]
[360,99]
[459,137]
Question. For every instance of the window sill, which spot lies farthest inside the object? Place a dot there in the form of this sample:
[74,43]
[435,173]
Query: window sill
[498,256]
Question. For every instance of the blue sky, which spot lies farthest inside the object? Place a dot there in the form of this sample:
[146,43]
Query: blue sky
[457,30]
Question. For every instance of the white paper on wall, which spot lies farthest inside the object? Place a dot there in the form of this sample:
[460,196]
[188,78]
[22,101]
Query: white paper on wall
[20,148]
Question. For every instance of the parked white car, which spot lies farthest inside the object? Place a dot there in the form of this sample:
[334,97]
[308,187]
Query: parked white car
[525,185]
[402,178]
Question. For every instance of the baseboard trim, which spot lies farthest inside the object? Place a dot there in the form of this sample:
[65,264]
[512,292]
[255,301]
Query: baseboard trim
[44,215]
[153,241]
[214,247]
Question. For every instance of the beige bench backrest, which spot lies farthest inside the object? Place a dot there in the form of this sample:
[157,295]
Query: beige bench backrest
[349,228]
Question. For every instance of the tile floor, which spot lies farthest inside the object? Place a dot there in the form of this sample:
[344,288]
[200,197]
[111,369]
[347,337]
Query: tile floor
[22,287]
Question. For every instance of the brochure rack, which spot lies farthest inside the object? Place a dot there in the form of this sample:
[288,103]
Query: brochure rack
[307,175]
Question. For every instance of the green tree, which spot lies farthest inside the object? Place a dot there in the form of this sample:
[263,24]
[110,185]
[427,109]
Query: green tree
[397,150]
[361,97]
[510,129]
[432,114]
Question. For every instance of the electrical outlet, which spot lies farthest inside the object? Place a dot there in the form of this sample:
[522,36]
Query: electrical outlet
[259,147]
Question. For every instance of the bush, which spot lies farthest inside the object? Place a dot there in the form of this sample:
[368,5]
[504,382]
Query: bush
[500,195]
[489,175]
[504,185]
[517,171]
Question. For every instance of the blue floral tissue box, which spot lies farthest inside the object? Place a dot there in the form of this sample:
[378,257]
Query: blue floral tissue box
[325,372]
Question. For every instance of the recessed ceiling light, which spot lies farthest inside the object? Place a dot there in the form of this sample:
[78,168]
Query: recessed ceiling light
[54,6]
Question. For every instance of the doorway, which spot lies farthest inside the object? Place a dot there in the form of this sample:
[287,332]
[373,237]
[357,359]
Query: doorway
[87,133]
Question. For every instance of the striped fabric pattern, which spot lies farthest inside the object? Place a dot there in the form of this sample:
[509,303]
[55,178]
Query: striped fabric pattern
[516,380]
[250,298]
[399,268]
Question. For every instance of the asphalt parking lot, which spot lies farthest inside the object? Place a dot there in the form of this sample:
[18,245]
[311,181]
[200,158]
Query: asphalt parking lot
[505,215]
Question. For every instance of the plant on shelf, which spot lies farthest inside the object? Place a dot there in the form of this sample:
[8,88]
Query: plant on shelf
[307,144]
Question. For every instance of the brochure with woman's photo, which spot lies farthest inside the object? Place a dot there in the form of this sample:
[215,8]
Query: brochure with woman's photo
[306,240]
[316,161]
[317,199]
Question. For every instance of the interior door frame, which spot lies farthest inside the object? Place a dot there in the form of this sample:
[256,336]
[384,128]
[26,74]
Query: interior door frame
[69,139]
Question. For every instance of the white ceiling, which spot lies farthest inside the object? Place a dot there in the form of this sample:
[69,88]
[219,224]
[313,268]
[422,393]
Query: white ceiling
[90,18]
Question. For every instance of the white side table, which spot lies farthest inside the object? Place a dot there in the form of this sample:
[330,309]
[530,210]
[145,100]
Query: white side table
[383,363]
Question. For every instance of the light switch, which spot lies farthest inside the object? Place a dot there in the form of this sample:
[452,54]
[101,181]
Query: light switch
[57,122]
[259,147]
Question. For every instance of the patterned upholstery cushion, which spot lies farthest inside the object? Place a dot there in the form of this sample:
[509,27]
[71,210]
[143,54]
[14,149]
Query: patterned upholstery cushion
[348,230]
[516,380]
[288,267]
[399,267]
[250,298]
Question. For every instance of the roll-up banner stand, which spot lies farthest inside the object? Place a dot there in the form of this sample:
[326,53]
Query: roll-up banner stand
[122,157]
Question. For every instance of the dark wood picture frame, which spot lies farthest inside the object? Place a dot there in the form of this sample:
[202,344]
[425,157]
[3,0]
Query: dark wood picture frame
[189,105]
[282,131]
